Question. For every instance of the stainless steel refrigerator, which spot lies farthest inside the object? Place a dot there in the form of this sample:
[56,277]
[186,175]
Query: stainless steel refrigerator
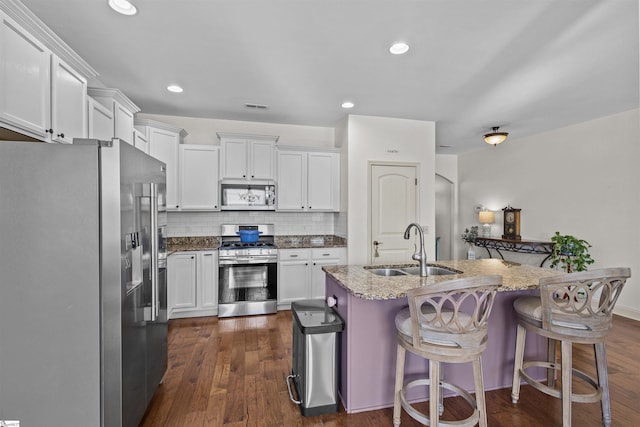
[83,319]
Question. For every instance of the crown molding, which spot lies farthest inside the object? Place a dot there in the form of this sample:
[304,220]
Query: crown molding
[30,22]
[113,93]
[159,125]
[269,138]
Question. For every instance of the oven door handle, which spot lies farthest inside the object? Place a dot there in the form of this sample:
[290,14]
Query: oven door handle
[249,260]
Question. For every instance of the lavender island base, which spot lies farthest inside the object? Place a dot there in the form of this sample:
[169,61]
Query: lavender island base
[368,304]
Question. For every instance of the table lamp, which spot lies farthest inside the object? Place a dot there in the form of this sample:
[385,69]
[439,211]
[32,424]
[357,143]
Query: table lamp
[486,219]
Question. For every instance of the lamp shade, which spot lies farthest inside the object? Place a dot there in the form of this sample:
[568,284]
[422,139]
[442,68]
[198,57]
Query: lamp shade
[494,138]
[487,217]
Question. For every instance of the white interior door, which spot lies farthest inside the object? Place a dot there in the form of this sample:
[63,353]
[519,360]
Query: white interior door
[393,208]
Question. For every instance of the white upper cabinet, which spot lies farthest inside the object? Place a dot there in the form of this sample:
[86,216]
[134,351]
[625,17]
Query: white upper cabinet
[140,141]
[323,181]
[308,180]
[247,157]
[199,177]
[68,102]
[164,141]
[24,96]
[291,180]
[42,95]
[122,109]
[100,120]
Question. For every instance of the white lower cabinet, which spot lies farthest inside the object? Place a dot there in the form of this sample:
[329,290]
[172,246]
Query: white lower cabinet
[300,274]
[192,284]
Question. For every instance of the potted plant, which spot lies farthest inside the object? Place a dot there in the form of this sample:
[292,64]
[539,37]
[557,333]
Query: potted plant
[570,253]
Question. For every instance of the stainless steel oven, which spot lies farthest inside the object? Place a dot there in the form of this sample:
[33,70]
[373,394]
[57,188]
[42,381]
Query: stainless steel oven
[248,272]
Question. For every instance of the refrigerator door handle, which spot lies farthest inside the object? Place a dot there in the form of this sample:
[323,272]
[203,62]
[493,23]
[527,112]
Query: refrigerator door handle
[154,253]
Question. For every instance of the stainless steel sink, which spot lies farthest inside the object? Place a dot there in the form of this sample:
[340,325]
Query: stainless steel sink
[387,272]
[432,270]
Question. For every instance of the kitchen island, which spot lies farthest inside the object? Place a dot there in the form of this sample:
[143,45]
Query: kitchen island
[368,304]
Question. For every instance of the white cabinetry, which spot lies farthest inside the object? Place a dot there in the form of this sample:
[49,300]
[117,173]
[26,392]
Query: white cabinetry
[320,258]
[247,157]
[192,284]
[308,180]
[140,141]
[100,120]
[122,109]
[199,177]
[300,274]
[164,141]
[68,102]
[293,276]
[40,95]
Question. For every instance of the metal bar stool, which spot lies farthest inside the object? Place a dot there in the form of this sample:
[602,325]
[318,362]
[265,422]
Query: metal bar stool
[445,322]
[572,308]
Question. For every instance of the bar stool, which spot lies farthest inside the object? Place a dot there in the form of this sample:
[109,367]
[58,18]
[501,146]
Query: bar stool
[572,308]
[445,322]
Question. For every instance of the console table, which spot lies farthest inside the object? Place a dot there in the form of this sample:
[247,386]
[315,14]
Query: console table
[519,246]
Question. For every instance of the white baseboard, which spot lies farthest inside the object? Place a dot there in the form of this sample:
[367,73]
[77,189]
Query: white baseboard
[631,313]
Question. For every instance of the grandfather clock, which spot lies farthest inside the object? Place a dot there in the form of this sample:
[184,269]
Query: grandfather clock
[511,223]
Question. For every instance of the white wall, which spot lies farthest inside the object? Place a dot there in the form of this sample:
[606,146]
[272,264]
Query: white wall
[369,139]
[580,180]
[203,131]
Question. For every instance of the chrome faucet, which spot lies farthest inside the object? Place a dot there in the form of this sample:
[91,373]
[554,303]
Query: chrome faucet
[419,255]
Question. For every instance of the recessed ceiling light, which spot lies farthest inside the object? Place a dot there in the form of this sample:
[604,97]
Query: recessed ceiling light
[399,48]
[174,89]
[123,6]
[348,104]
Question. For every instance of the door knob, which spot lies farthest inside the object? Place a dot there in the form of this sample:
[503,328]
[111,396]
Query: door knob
[375,248]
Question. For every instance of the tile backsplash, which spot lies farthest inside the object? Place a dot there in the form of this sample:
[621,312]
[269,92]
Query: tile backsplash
[286,223]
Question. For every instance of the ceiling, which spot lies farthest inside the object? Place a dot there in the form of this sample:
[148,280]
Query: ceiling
[527,66]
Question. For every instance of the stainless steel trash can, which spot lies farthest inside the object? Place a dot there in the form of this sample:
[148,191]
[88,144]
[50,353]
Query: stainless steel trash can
[314,371]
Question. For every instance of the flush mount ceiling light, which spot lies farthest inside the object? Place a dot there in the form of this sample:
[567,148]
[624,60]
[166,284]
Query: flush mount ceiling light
[399,48]
[123,6]
[348,104]
[494,138]
[174,89]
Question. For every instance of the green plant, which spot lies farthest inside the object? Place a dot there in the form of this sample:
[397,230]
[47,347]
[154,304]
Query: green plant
[470,235]
[571,253]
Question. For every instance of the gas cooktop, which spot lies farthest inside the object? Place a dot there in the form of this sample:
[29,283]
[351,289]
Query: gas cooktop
[245,245]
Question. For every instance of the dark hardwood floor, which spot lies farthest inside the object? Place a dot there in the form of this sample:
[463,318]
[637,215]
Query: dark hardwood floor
[231,372]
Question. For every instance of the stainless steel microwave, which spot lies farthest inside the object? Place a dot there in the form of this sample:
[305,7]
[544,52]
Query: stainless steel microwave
[243,196]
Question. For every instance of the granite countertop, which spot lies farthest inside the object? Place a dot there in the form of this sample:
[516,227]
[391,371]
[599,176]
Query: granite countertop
[313,241]
[208,243]
[361,283]
[189,244]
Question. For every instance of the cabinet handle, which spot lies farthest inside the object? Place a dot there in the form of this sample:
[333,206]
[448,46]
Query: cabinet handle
[314,263]
[309,207]
[244,176]
[306,263]
[49,131]
[208,254]
[293,256]
[252,176]
[177,206]
[61,135]
[192,257]
[326,254]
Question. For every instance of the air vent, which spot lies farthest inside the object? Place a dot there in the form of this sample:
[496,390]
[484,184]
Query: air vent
[256,106]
